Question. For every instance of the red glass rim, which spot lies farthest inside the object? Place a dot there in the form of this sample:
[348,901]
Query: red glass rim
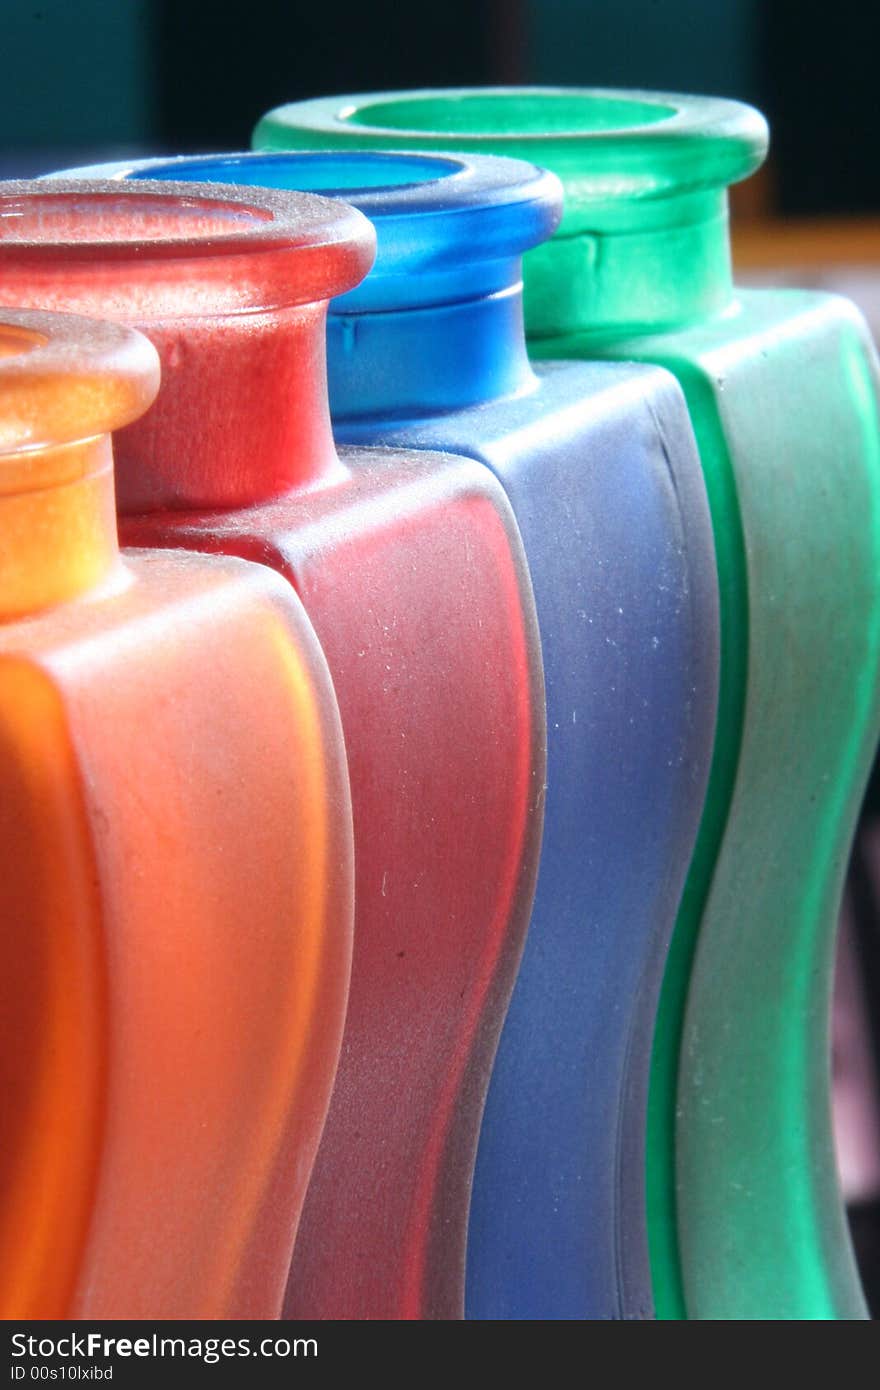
[318,247]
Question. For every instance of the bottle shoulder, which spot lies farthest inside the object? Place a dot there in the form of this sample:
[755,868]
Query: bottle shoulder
[379,490]
[572,405]
[149,597]
[758,324]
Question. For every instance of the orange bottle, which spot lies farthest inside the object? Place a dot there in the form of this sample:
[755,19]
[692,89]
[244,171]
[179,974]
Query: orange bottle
[175,876]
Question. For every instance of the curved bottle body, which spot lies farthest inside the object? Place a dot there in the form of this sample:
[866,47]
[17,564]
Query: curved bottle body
[413,575]
[600,467]
[174,789]
[782,391]
[430,352]
[176,794]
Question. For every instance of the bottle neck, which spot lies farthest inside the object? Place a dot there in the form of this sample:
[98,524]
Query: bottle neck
[242,416]
[232,288]
[638,267]
[58,524]
[417,360]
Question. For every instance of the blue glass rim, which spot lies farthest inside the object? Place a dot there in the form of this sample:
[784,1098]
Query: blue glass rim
[430,209]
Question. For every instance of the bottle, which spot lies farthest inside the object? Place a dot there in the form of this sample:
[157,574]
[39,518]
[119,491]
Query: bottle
[173,794]
[745,1213]
[411,569]
[601,468]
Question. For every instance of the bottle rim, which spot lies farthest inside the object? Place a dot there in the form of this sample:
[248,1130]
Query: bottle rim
[491,205]
[66,378]
[315,247]
[607,144]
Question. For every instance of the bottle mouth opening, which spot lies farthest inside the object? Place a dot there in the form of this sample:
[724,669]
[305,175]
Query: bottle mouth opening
[335,175]
[384,184]
[438,215]
[606,144]
[510,113]
[101,219]
[161,246]
[16,341]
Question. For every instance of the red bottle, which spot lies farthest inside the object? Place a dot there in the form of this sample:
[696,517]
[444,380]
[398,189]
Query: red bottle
[411,569]
[175,877]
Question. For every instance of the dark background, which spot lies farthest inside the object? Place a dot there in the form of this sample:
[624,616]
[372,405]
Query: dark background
[92,78]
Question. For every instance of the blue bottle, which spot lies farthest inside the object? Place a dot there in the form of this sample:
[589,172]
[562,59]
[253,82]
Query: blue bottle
[600,465]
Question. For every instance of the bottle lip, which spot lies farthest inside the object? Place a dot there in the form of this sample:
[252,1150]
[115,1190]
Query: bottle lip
[311,248]
[65,378]
[607,144]
[425,206]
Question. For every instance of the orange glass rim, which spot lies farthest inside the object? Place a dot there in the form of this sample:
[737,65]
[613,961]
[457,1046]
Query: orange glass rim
[65,378]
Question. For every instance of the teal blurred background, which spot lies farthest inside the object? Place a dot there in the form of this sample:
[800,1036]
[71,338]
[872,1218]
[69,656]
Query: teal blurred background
[108,76]
[78,75]
[142,72]
[101,77]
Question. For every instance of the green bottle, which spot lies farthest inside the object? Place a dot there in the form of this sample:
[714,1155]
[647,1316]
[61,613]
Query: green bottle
[745,1214]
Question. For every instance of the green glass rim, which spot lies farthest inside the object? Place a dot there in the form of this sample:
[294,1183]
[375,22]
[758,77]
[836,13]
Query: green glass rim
[607,144]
